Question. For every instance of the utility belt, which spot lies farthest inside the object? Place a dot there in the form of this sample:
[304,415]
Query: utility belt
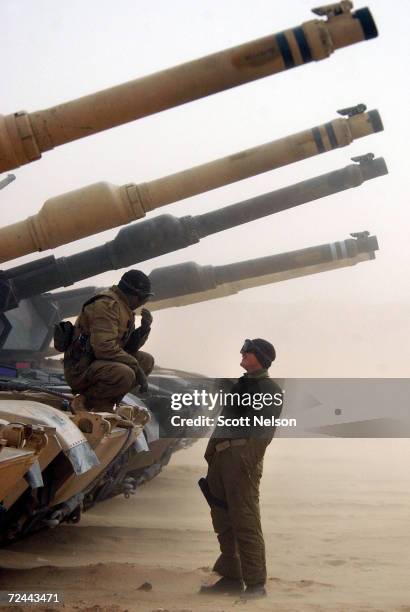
[221,446]
[203,483]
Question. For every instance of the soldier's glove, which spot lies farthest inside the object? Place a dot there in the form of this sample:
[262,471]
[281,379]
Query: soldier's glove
[146,320]
[142,381]
[134,342]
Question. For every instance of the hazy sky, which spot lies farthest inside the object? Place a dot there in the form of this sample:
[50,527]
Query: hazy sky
[349,322]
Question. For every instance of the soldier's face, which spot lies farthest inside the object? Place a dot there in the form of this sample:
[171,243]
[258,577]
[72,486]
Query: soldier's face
[249,362]
[134,301]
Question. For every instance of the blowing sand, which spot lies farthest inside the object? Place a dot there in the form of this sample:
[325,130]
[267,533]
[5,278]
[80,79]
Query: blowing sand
[336,521]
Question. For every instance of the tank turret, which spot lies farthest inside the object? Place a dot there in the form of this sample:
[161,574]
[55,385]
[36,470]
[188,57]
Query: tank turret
[25,136]
[101,206]
[165,233]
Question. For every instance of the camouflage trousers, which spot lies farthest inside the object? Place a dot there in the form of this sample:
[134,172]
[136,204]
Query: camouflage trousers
[104,383]
[233,477]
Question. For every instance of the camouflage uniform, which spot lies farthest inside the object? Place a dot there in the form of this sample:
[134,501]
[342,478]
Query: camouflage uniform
[104,355]
[233,479]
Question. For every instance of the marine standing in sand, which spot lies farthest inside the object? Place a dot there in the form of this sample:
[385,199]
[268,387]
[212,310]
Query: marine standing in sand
[232,484]
[104,361]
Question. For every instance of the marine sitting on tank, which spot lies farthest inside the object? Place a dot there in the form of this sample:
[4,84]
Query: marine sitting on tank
[104,361]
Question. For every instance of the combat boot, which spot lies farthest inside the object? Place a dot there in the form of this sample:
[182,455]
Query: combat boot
[231,586]
[100,405]
[256,591]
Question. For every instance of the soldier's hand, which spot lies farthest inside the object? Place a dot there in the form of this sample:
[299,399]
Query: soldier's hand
[142,381]
[146,318]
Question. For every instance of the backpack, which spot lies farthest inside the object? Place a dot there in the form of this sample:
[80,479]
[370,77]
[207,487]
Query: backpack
[64,330]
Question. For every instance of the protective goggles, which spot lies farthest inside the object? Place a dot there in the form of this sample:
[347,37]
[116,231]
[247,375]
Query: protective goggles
[143,297]
[248,347]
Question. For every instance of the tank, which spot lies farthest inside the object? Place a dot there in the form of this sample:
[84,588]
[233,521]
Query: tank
[101,206]
[166,233]
[90,457]
[25,136]
[81,450]
[87,457]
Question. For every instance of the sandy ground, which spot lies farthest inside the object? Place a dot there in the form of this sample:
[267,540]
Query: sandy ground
[336,522]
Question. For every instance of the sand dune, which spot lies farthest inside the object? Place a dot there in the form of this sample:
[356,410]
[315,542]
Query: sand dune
[336,522]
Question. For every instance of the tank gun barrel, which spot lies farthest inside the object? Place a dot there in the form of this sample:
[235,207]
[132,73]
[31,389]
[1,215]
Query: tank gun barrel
[165,233]
[178,285]
[102,206]
[309,190]
[25,136]
[189,282]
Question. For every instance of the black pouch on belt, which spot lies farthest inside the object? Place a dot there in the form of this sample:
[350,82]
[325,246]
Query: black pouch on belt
[63,335]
